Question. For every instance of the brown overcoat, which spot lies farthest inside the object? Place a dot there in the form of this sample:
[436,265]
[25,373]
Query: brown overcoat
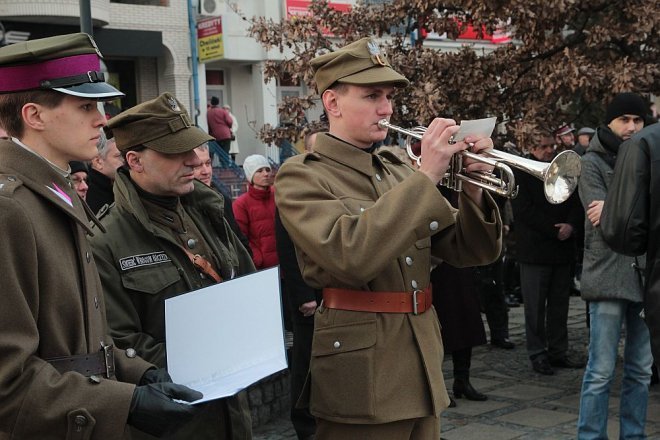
[369,222]
[52,306]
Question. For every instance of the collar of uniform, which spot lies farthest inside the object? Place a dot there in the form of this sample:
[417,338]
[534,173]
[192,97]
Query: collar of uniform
[127,198]
[39,175]
[61,171]
[170,219]
[345,153]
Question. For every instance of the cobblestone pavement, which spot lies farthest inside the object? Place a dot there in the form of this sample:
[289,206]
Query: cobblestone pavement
[521,404]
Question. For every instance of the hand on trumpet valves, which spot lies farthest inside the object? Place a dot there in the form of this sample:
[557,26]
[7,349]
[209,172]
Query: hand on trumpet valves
[436,137]
[436,151]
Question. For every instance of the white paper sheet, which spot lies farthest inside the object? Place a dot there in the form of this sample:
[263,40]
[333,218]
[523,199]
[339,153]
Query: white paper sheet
[224,337]
[476,127]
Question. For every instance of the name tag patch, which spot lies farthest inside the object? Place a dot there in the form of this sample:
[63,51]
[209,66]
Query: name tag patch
[135,261]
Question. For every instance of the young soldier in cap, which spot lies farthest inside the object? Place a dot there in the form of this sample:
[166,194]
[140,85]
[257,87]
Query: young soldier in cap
[59,375]
[365,226]
[612,285]
[166,235]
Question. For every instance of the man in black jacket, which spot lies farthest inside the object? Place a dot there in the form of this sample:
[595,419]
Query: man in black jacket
[545,240]
[630,220]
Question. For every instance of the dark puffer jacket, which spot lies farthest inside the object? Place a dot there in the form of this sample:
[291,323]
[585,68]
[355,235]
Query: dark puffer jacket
[255,214]
[630,221]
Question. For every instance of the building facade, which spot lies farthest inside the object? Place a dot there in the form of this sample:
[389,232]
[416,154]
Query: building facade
[148,46]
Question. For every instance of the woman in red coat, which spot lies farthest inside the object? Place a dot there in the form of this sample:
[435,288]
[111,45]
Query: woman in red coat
[255,211]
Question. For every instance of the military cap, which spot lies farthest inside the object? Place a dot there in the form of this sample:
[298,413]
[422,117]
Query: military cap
[69,63]
[161,124]
[361,62]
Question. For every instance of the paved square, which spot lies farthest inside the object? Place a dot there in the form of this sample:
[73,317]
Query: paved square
[537,418]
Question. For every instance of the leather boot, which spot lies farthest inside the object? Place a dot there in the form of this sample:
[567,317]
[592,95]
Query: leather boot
[463,387]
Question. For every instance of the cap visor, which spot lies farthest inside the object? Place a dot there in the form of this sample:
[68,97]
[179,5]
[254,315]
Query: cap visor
[376,75]
[97,90]
[179,142]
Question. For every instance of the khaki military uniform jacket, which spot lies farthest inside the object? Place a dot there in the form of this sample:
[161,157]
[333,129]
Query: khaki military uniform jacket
[52,306]
[369,222]
[141,264]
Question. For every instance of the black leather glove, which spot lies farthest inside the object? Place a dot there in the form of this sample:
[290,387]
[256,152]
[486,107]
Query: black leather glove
[154,411]
[155,375]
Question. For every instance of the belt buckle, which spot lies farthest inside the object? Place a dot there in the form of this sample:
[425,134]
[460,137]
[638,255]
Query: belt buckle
[108,359]
[415,303]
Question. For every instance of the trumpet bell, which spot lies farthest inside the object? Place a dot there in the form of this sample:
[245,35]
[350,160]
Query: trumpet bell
[561,176]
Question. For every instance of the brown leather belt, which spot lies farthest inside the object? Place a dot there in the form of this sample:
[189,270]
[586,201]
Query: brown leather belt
[416,302]
[92,364]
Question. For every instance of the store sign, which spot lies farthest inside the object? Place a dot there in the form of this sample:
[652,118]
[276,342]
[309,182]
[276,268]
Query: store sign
[300,8]
[210,46]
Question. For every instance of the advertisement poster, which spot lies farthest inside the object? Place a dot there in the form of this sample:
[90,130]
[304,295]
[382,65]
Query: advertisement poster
[209,40]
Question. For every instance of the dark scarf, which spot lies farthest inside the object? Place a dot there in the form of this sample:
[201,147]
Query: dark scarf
[610,143]
[167,202]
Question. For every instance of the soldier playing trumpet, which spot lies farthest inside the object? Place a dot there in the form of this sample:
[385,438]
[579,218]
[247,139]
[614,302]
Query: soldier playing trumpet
[365,226]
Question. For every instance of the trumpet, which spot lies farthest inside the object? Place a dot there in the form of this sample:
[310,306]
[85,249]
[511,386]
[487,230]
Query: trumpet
[559,177]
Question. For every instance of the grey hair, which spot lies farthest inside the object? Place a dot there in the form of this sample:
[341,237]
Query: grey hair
[102,145]
[203,147]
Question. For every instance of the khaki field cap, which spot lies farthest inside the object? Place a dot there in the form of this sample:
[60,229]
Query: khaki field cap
[361,63]
[70,64]
[161,124]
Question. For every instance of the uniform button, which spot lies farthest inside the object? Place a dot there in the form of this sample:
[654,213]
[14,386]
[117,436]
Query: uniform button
[80,420]
[192,243]
[96,302]
[131,353]
[88,257]
[11,178]
[378,178]
[94,379]
[409,261]
[337,344]
[361,209]
[433,225]
[414,284]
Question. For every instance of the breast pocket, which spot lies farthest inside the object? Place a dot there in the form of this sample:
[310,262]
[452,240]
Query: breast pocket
[342,370]
[151,280]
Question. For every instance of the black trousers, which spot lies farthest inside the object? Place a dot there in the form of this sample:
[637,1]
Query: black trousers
[303,422]
[546,290]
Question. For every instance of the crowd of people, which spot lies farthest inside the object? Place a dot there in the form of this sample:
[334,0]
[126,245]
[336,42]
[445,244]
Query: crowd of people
[106,219]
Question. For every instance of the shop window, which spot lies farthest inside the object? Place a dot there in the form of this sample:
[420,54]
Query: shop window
[215,85]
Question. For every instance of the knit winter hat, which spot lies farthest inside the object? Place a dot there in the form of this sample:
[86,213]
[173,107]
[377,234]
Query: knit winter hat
[626,104]
[252,164]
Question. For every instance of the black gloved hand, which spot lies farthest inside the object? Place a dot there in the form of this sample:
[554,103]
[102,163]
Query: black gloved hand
[155,375]
[154,412]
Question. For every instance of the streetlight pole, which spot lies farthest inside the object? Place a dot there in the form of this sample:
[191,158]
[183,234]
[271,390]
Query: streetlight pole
[86,17]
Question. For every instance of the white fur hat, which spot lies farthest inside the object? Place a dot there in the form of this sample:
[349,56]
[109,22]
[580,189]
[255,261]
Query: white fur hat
[252,164]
